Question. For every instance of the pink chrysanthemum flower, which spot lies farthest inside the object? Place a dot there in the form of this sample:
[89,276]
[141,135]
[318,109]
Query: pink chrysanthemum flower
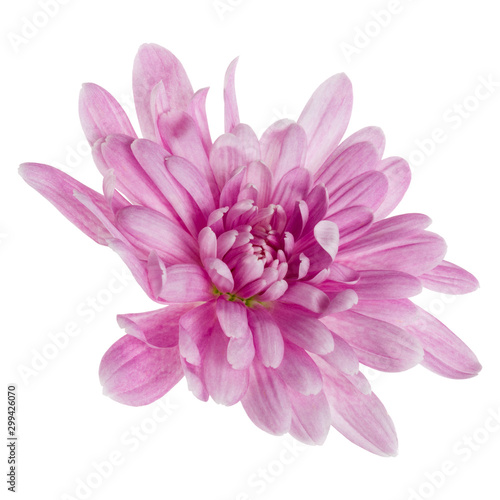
[273,258]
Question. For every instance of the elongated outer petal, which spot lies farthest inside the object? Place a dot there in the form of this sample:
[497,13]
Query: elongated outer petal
[158,328]
[402,312]
[231,115]
[151,230]
[378,344]
[352,222]
[355,160]
[311,417]
[299,371]
[186,283]
[378,285]
[325,118]
[368,189]
[225,384]
[283,147]
[101,114]
[449,278]
[302,330]
[373,135]
[266,401]
[445,353]
[397,243]
[136,374]
[152,65]
[398,174]
[359,416]
[58,188]
[269,344]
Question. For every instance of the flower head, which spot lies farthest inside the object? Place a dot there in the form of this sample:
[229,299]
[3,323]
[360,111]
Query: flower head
[273,258]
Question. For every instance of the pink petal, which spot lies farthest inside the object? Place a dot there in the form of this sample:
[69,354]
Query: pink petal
[352,222]
[292,187]
[181,136]
[266,401]
[197,111]
[195,328]
[378,344]
[186,283]
[402,312]
[368,189]
[232,150]
[114,152]
[135,374]
[231,115]
[378,285]
[355,160]
[225,384]
[307,296]
[267,337]
[274,292]
[311,417]
[284,147]
[317,203]
[445,353]
[299,371]
[303,330]
[101,114]
[58,188]
[151,230]
[241,351]
[249,269]
[398,174]
[343,357]
[158,328]
[257,174]
[449,278]
[325,118]
[220,275]
[232,318]
[208,244]
[152,65]
[360,417]
[373,135]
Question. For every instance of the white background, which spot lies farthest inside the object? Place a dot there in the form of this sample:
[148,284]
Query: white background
[428,58]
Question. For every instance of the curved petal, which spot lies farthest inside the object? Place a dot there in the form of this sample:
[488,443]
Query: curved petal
[267,337]
[154,64]
[449,278]
[266,401]
[231,115]
[133,373]
[158,328]
[59,189]
[101,114]
[445,353]
[325,118]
